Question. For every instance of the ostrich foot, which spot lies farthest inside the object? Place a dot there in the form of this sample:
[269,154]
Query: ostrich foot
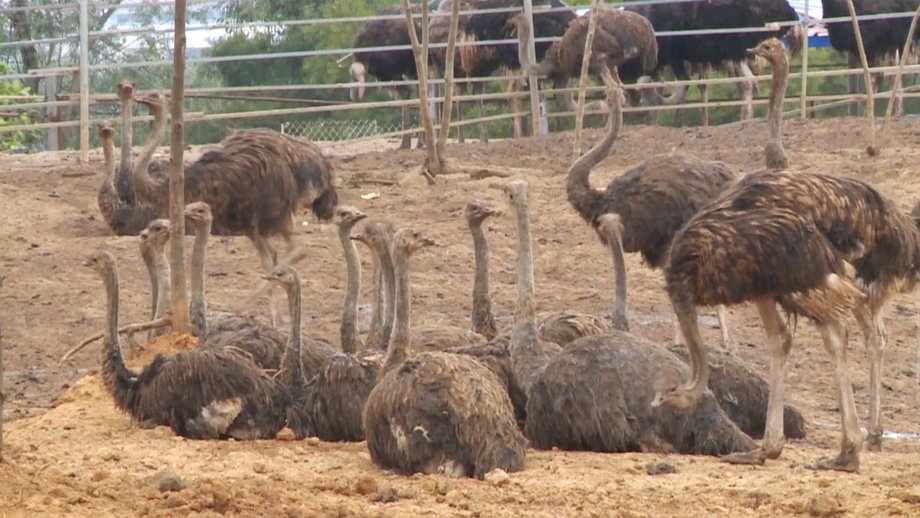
[874,441]
[850,464]
[619,321]
[753,458]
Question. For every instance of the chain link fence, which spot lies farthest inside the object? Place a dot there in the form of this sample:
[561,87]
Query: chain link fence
[336,130]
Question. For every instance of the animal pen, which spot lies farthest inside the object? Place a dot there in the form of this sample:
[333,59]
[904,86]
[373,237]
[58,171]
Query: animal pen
[53,112]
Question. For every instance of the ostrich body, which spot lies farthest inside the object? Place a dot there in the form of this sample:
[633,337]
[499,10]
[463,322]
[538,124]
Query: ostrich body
[122,216]
[263,343]
[881,38]
[200,394]
[254,182]
[621,37]
[437,412]
[844,249]
[715,49]
[563,407]
[377,236]
[773,51]
[651,202]
[385,65]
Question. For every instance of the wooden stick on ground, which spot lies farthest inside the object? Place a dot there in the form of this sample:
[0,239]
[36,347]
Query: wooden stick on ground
[129,330]
[583,79]
[870,99]
[886,126]
[2,395]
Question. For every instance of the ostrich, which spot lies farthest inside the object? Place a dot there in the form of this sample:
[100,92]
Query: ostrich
[385,65]
[715,49]
[881,38]
[346,218]
[563,409]
[437,412]
[121,216]
[124,186]
[200,393]
[152,247]
[254,184]
[650,201]
[842,247]
[377,236]
[773,51]
[263,343]
[621,37]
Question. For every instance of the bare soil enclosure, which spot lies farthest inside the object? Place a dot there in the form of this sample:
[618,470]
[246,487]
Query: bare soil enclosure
[69,452]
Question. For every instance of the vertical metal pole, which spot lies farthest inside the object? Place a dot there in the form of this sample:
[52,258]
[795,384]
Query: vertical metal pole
[535,114]
[84,81]
[803,105]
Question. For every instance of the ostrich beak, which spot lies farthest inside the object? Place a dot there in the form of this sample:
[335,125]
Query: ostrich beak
[751,53]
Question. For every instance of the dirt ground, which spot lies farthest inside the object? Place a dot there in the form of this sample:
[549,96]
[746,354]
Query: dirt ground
[69,452]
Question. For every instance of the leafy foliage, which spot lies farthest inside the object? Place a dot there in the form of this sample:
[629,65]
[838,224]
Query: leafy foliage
[18,139]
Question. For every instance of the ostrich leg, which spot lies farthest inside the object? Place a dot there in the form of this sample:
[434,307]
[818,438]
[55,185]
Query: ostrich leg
[747,93]
[728,343]
[620,321]
[873,329]
[269,258]
[514,87]
[479,89]
[402,93]
[779,341]
[704,98]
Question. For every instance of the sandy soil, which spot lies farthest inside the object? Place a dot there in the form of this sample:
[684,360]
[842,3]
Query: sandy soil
[68,451]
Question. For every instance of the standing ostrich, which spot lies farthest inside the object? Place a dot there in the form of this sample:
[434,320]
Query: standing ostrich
[563,409]
[621,37]
[121,216]
[773,51]
[254,182]
[385,65]
[651,202]
[715,49]
[841,248]
[200,393]
[437,412]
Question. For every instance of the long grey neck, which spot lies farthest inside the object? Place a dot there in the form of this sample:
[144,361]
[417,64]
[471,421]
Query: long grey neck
[349,329]
[197,306]
[776,157]
[482,320]
[525,318]
[398,350]
[538,69]
[143,183]
[163,287]
[108,152]
[390,290]
[110,279]
[127,133]
[292,361]
[147,253]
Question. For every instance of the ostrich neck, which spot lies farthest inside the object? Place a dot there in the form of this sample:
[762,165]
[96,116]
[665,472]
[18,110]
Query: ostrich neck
[293,363]
[147,253]
[578,184]
[156,191]
[197,306]
[161,266]
[525,318]
[545,67]
[397,352]
[482,320]
[390,304]
[127,132]
[349,329]
[110,278]
[118,379]
[777,96]
[108,153]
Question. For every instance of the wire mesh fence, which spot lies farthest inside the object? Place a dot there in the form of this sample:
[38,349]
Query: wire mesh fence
[336,130]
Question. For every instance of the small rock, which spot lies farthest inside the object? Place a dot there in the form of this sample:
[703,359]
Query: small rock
[111,456]
[260,468]
[908,497]
[444,486]
[166,481]
[498,477]
[366,486]
[386,495]
[660,468]
[823,505]
[54,194]
[313,441]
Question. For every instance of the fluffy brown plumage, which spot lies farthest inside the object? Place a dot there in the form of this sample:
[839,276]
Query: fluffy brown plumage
[122,216]
[437,412]
[201,393]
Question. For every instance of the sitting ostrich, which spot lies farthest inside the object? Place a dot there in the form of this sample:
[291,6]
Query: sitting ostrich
[437,412]
[121,215]
[254,182]
[651,201]
[620,37]
[200,393]
[385,64]
[563,409]
[843,248]
[675,52]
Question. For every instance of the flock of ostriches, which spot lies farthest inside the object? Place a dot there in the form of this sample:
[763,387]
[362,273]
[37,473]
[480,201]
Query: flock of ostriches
[466,401]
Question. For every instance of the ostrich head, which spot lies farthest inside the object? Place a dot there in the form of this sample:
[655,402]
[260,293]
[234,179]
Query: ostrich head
[157,233]
[284,276]
[100,261]
[154,101]
[772,50]
[105,130]
[374,233]
[199,214]
[358,73]
[345,214]
[516,193]
[411,241]
[125,89]
[476,211]
[609,225]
